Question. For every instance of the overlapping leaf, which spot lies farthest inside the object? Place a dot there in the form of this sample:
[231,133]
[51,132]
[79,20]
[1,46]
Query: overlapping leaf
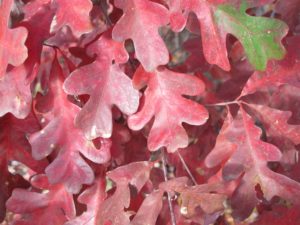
[164,101]
[69,142]
[93,198]
[241,153]
[204,202]
[278,130]
[149,210]
[35,207]
[277,73]
[17,98]
[140,22]
[14,143]
[136,174]
[74,14]
[60,135]
[12,41]
[112,209]
[107,86]
[14,146]
[260,36]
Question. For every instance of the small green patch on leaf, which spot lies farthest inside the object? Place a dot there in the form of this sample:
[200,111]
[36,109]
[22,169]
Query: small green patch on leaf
[260,36]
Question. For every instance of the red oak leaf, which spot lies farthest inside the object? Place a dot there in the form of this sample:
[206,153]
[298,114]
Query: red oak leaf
[278,130]
[14,143]
[107,86]
[149,210]
[93,198]
[12,41]
[14,146]
[86,64]
[38,26]
[209,198]
[163,99]
[213,38]
[60,135]
[35,207]
[239,147]
[111,210]
[17,99]
[136,174]
[278,73]
[8,182]
[74,14]
[140,22]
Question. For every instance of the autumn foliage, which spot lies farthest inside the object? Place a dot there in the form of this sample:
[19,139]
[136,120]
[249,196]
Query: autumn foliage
[149,112]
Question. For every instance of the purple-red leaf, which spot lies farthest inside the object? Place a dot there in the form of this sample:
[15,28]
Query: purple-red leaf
[60,135]
[112,209]
[14,146]
[242,153]
[140,22]
[107,86]
[213,38]
[277,73]
[35,207]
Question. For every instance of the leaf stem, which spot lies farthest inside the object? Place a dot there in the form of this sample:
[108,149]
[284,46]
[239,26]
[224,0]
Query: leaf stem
[164,167]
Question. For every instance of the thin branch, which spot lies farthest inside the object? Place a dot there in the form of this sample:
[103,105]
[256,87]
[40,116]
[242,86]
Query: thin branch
[164,166]
[224,103]
[186,168]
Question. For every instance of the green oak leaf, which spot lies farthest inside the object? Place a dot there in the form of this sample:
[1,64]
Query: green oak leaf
[260,36]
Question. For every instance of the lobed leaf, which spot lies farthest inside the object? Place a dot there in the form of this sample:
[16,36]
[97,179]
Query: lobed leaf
[12,41]
[93,197]
[164,101]
[100,80]
[35,207]
[260,36]
[60,135]
[242,154]
[102,210]
[140,22]
[68,10]
[277,73]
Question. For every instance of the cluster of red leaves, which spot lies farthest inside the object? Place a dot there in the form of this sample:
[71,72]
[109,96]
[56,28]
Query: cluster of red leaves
[149,112]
